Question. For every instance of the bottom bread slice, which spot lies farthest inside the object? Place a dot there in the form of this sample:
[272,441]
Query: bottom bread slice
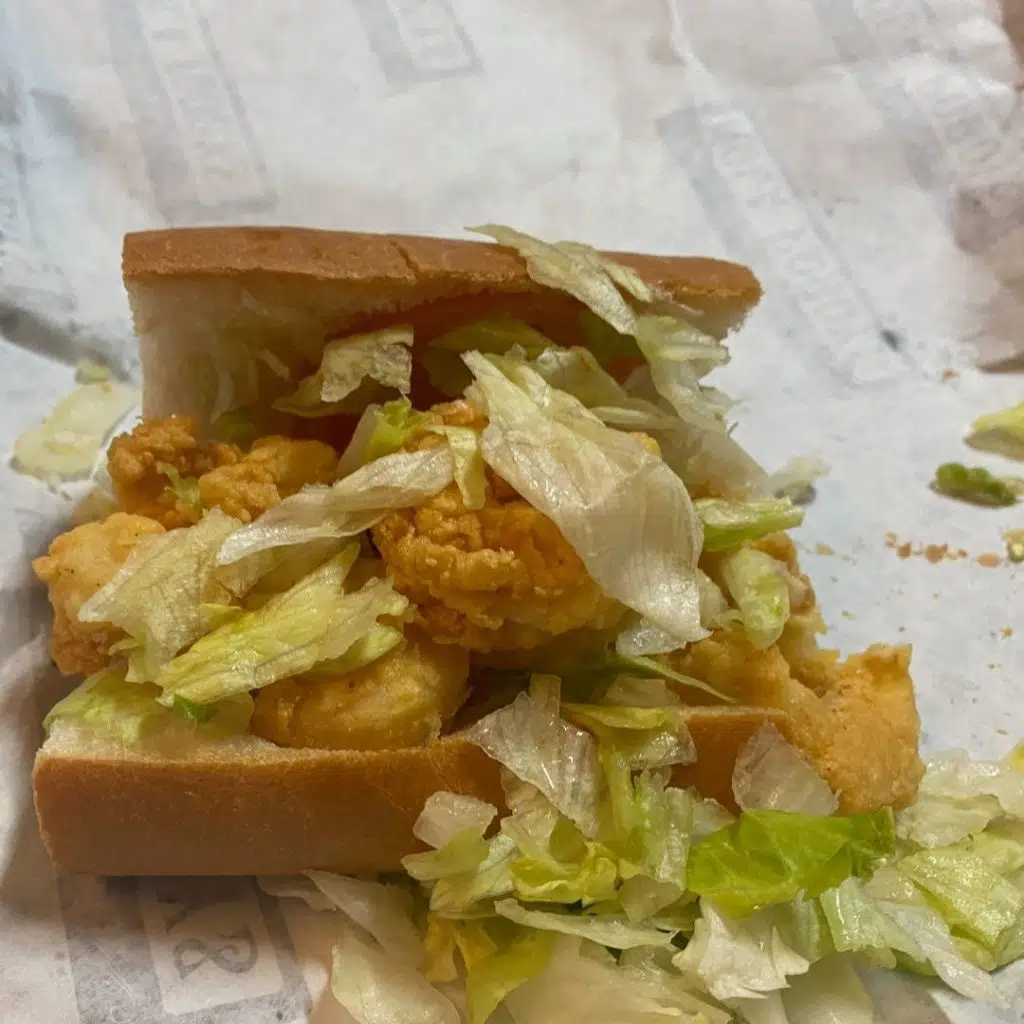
[248,807]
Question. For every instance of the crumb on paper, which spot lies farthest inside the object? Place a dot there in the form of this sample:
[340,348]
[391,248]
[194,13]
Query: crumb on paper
[989,560]
[847,615]
[905,550]
[935,552]
[824,549]
[1006,632]
[949,374]
[994,664]
[1001,732]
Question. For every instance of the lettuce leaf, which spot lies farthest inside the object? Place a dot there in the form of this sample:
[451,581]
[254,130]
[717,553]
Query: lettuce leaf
[728,524]
[739,959]
[65,445]
[375,988]
[462,854]
[463,895]
[758,585]
[768,857]
[537,746]
[381,430]
[959,797]
[644,737]
[157,596]
[468,463]
[348,507]
[109,705]
[621,508]
[770,774]
[1000,432]
[445,815]
[384,356]
[974,484]
[795,480]
[607,929]
[491,979]
[312,622]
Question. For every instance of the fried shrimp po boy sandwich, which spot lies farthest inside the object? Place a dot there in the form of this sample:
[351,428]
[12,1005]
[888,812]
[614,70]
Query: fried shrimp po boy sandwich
[380,484]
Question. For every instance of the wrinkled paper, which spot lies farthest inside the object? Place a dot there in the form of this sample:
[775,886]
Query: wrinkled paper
[864,156]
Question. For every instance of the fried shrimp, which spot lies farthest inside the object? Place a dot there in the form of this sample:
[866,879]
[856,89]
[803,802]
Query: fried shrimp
[498,578]
[275,468]
[78,563]
[401,700]
[139,461]
[858,725]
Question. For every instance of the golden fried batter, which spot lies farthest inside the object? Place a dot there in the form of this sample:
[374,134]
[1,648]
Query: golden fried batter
[499,578]
[275,468]
[400,700]
[137,463]
[859,724]
[78,563]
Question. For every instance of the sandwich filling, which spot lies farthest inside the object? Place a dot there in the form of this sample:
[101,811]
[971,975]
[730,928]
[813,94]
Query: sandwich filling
[561,554]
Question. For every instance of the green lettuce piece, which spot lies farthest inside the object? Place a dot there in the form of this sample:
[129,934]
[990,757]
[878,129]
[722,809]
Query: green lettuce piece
[158,595]
[107,704]
[492,978]
[973,484]
[769,857]
[606,929]
[728,524]
[644,737]
[757,584]
[468,894]
[1001,432]
[379,641]
[971,896]
[313,622]
[236,426]
[184,488]
[470,475]
[588,878]
[393,426]
[383,356]
[462,854]
[1014,545]
[496,336]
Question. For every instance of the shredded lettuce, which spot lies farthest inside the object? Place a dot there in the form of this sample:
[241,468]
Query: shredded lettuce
[312,622]
[759,586]
[348,507]
[643,737]
[796,479]
[462,854]
[739,959]
[537,746]
[184,488]
[621,508]
[445,815]
[384,356]
[770,774]
[493,977]
[464,894]
[375,988]
[973,484]
[1000,432]
[65,445]
[157,596]
[381,430]
[728,524]
[606,929]
[109,705]
[959,797]
[768,857]
[468,460]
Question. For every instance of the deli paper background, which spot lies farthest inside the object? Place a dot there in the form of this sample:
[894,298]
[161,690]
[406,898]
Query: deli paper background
[864,156]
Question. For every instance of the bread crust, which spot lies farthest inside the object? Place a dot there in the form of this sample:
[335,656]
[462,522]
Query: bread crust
[261,809]
[375,260]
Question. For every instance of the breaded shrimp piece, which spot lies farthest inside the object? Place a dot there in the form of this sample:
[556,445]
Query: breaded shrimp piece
[137,463]
[275,468]
[859,726]
[401,700]
[498,578]
[78,563]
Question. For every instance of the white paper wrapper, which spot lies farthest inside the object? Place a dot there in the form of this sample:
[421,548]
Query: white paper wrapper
[864,156]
